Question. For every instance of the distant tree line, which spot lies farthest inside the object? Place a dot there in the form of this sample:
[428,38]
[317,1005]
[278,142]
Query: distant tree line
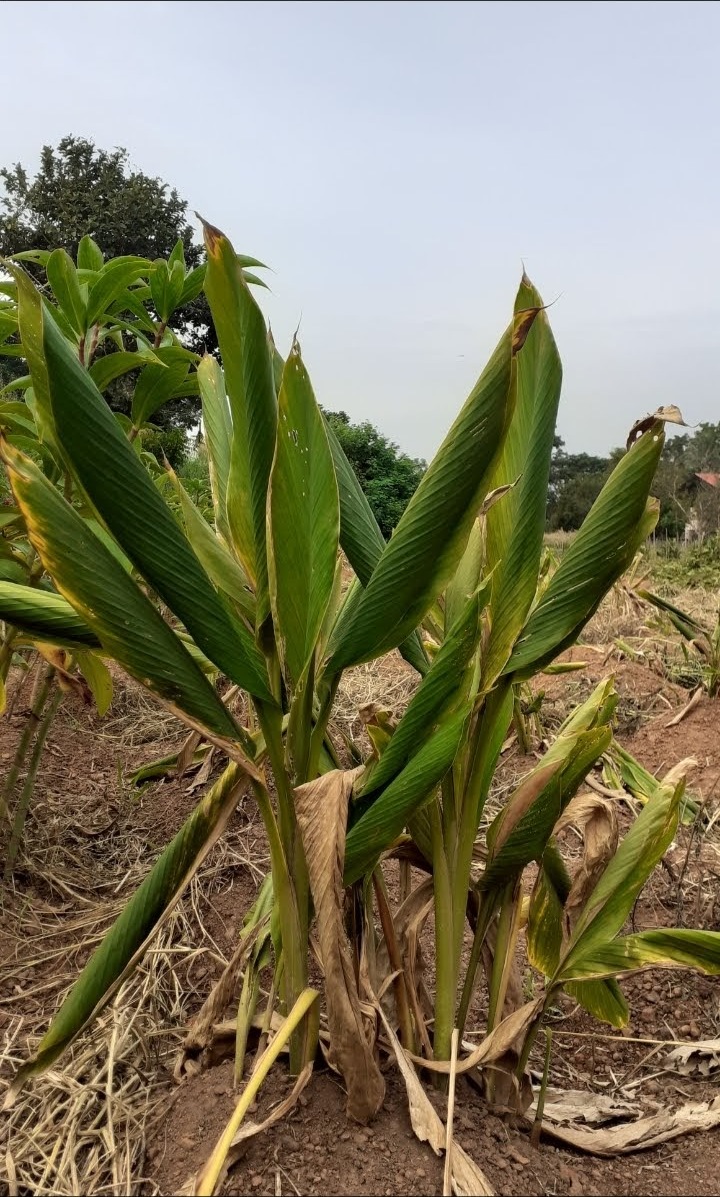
[576,480]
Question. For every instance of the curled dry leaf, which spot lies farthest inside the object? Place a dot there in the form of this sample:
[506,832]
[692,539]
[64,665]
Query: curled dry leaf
[565,1107]
[679,771]
[321,807]
[696,1059]
[187,751]
[501,1040]
[667,415]
[596,820]
[640,1134]
[200,1033]
[203,774]
[467,1179]
[491,499]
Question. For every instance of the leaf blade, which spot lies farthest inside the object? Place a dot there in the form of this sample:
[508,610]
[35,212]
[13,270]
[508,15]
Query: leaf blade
[303,520]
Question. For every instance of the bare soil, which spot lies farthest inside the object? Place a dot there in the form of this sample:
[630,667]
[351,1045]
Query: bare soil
[91,837]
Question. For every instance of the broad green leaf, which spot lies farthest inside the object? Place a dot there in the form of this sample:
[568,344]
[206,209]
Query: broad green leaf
[544,932]
[127,939]
[109,541]
[303,521]
[642,784]
[8,324]
[30,314]
[466,578]
[89,255]
[243,339]
[126,623]
[193,285]
[40,615]
[673,948]
[516,524]
[167,281]
[178,253]
[115,278]
[217,427]
[430,538]
[598,708]
[131,506]
[62,277]
[105,370]
[441,688]
[361,538]
[13,571]
[245,260]
[544,938]
[9,516]
[16,384]
[155,386]
[219,564]
[38,256]
[383,822]
[132,301]
[17,418]
[521,831]
[603,998]
[360,535]
[601,551]
[615,894]
[99,679]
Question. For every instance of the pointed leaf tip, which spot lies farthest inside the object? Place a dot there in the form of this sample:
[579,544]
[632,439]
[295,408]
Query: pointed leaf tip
[211,235]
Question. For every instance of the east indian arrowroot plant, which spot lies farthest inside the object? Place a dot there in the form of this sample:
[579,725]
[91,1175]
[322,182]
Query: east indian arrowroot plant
[133,572]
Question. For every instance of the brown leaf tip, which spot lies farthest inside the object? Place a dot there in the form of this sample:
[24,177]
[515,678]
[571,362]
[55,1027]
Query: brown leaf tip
[664,415]
[523,323]
[212,235]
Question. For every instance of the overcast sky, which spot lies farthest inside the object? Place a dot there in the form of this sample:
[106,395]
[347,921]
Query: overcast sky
[396,162]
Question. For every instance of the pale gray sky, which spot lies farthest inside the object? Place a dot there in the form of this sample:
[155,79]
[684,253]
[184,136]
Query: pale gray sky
[395,162]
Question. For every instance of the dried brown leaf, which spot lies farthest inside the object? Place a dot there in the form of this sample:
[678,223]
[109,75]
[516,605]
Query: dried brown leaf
[596,820]
[200,1033]
[642,1133]
[187,751]
[203,773]
[321,807]
[468,1180]
[696,1059]
[563,1107]
[501,1040]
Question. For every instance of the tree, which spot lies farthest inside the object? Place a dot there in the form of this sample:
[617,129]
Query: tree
[576,480]
[81,189]
[388,477]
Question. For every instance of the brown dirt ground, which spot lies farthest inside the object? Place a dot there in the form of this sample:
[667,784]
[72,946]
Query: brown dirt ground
[90,838]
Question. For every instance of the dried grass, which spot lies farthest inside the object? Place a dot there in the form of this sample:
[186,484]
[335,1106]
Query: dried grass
[83,1126]
[389,683]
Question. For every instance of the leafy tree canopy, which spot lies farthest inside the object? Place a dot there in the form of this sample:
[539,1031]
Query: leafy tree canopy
[81,189]
[388,476]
